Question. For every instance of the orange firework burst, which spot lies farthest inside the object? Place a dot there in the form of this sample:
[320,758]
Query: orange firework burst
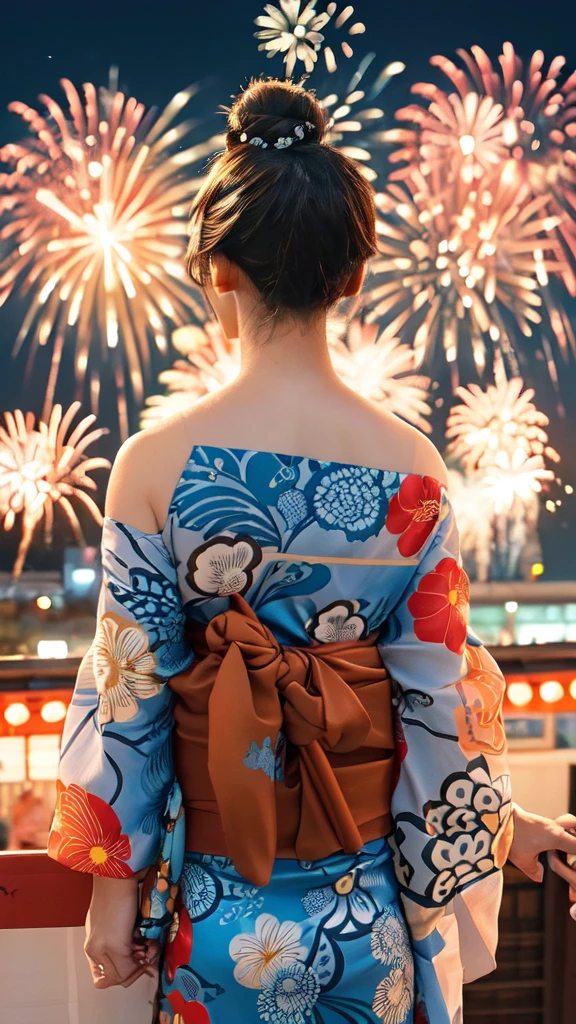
[40,468]
[493,115]
[94,210]
[464,267]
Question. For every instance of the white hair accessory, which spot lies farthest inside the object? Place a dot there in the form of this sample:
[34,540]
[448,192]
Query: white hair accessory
[284,141]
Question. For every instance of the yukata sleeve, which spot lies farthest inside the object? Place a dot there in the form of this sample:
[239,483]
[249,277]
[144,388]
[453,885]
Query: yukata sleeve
[116,773]
[451,805]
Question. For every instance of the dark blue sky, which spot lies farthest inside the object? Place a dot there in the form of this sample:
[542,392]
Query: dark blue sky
[162,48]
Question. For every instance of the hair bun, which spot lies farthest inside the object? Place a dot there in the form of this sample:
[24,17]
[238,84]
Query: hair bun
[271,110]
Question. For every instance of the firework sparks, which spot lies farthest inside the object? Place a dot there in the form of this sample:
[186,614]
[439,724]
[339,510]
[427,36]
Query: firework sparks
[501,418]
[40,467]
[293,32]
[353,118]
[514,112]
[211,363]
[498,439]
[381,370]
[463,266]
[94,211]
[514,478]
[298,33]
[475,516]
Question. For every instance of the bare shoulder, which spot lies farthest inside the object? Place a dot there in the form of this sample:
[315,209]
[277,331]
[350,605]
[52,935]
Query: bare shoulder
[427,459]
[410,450]
[145,472]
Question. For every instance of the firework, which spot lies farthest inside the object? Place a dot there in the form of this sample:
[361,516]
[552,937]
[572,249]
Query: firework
[211,363]
[94,211]
[380,369]
[475,517]
[352,118]
[298,33]
[499,442]
[514,112]
[463,267]
[501,418]
[40,467]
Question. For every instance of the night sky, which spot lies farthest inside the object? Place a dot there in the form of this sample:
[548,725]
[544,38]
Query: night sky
[160,53]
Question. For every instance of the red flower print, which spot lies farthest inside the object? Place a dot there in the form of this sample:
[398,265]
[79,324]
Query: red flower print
[86,835]
[188,1013]
[414,511]
[440,606]
[179,945]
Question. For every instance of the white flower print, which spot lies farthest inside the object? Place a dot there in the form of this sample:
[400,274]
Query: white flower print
[223,566]
[389,941]
[337,621]
[123,667]
[395,995]
[258,957]
[350,499]
[291,996]
[468,824]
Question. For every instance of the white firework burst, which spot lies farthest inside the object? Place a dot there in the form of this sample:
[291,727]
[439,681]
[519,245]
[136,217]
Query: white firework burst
[380,369]
[211,362]
[500,418]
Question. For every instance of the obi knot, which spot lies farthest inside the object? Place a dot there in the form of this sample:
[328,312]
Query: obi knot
[279,742]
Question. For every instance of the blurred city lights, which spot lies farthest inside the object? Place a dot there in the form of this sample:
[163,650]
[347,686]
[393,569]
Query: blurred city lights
[52,649]
[83,577]
[44,602]
[551,691]
[53,711]
[519,694]
[16,714]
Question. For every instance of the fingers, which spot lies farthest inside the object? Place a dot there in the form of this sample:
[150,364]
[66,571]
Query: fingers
[113,968]
[565,841]
[133,977]
[567,821]
[558,866]
[145,952]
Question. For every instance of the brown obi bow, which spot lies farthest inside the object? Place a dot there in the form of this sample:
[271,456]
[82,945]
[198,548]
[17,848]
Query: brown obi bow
[244,696]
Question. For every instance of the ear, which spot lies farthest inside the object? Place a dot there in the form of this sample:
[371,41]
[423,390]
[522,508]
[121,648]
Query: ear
[224,274]
[354,283]
[225,310]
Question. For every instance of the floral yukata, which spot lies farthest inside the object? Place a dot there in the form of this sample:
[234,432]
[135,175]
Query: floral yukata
[322,552]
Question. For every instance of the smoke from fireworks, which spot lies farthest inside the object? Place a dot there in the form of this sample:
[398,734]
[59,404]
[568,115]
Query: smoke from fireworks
[93,211]
[40,468]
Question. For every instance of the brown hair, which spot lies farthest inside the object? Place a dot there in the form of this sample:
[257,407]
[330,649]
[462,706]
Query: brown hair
[298,220]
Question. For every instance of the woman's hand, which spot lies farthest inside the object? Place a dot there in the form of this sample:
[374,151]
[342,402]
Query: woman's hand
[112,948]
[534,835]
[566,821]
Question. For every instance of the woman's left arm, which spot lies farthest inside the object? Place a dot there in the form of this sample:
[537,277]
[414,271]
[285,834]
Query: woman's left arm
[116,770]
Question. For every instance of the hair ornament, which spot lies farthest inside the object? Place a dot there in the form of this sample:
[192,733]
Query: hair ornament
[285,140]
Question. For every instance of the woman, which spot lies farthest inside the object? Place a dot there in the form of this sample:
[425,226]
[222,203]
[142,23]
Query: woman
[302,619]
